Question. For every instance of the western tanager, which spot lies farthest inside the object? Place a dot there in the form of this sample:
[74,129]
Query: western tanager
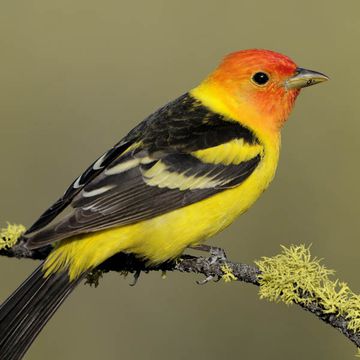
[180,176]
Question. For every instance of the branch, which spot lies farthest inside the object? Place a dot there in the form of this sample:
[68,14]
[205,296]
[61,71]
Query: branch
[229,270]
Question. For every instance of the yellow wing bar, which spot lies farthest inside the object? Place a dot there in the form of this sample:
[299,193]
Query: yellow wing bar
[233,152]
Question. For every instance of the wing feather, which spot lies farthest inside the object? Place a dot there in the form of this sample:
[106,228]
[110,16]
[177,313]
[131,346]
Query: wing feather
[158,167]
[130,196]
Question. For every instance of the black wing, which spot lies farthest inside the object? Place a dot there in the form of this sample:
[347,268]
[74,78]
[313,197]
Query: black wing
[91,172]
[151,172]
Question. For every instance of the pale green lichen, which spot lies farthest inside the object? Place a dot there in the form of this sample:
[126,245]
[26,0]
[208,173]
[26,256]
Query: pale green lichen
[10,234]
[294,276]
[352,312]
[228,275]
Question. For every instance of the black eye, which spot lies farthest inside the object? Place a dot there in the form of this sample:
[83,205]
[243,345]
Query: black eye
[260,78]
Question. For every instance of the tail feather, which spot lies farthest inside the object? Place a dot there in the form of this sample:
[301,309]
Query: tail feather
[28,309]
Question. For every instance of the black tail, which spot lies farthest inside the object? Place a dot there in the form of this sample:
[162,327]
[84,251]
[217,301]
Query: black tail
[28,309]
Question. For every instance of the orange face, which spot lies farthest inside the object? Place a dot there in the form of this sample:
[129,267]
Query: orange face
[258,78]
[256,87]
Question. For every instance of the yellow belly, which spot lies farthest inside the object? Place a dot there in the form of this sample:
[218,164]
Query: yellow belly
[166,236]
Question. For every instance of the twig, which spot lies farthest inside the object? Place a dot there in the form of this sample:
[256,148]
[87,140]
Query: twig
[199,265]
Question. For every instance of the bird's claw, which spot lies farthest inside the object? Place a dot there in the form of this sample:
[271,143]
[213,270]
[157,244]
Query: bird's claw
[214,278]
[135,278]
[216,255]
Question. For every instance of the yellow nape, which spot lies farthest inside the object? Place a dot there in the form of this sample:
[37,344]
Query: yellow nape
[218,99]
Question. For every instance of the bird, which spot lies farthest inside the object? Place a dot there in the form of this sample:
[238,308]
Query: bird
[180,176]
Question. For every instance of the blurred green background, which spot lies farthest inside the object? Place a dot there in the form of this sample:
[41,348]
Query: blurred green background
[76,75]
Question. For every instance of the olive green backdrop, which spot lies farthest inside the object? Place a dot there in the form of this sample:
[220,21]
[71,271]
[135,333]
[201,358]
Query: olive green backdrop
[76,75]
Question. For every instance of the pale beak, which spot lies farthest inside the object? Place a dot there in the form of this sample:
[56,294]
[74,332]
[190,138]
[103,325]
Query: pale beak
[304,78]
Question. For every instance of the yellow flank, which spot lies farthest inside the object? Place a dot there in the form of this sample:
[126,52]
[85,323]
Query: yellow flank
[234,152]
[166,236]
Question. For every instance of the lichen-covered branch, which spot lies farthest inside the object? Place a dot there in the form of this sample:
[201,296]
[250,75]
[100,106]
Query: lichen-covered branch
[293,277]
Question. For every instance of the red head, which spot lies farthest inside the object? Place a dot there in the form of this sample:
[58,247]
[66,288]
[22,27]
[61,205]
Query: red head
[261,84]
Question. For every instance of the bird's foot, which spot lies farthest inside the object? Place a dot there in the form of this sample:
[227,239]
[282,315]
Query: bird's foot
[216,255]
[214,278]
